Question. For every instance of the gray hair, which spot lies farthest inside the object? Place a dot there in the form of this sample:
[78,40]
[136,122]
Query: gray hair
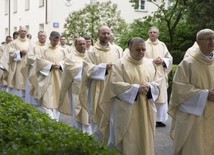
[202,33]
[135,40]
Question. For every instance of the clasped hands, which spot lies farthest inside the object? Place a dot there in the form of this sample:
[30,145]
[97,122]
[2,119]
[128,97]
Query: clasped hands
[143,89]
[23,52]
[56,65]
[211,95]
[109,66]
[158,61]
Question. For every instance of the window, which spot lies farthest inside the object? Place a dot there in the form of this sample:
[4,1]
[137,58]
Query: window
[27,28]
[41,27]
[6,7]
[15,29]
[15,6]
[141,5]
[27,5]
[6,32]
[41,3]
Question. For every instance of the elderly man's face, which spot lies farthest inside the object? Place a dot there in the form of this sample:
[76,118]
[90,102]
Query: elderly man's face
[206,43]
[22,32]
[137,50]
[88,43]
[80,45]
[153,34]
[104,35]
[42,37]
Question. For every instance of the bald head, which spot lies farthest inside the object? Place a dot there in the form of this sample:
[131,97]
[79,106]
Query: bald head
[80,44]
[205,40]
[22,32]
[102,28]
[203,33]
[104,35]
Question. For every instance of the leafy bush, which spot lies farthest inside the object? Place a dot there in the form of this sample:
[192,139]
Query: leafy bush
[25,130]
[170,79]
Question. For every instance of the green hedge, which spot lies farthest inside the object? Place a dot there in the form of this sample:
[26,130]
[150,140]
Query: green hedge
[25,130]
[170,79]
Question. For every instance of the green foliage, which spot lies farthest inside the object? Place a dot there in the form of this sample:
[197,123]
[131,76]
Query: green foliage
[87,21]
[25,130]
[200,14]
[170,80]
[138,28]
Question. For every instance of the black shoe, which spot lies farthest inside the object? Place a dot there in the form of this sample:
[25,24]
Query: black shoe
[160,124]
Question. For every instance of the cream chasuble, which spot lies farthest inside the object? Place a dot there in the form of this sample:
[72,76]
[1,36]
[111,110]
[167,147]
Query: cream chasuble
[93,79]
[192,134]
[132,126]
[49,79]
[155,50]
[2,68]
[37,51]
[70,83]
[17,62]
[31,93]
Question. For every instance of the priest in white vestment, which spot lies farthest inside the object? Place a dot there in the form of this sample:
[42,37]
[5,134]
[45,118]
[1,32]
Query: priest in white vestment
[96,66]
[128,102]
[31,93]
[17,50]
[192,99]
[158,52]
[49,67]
[71,82]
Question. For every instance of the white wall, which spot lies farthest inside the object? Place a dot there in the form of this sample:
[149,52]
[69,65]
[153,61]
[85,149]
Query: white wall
[58,11]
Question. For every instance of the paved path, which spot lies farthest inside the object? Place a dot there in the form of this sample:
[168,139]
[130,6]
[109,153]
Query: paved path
[163,143]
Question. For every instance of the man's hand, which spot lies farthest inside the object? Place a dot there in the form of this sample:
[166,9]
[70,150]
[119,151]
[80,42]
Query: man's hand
[109,66]
[211,95]
[143,89]
[56,65]
[158,61]
[23,52]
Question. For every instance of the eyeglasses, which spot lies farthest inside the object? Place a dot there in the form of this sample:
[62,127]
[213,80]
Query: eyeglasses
[153,32]
[207,38]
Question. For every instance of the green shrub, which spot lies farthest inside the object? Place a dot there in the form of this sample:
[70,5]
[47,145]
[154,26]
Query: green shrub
[170,79]
[25,130]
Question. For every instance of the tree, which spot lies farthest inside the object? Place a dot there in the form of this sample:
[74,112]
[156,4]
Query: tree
[200,13]
[169,15]
[87,21]
[180,22]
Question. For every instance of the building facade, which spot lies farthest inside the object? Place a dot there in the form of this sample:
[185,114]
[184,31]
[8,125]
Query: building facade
[49,15]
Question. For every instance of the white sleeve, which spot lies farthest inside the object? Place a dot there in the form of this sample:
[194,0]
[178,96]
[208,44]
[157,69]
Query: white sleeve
[154,91]
[18,56]
[62,65]
[166,61]
[99,72]
[1,66]
[196,104]
[78,76]
[46,70]
[130,94]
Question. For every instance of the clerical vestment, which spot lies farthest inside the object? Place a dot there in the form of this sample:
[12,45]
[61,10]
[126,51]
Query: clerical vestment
[155,50]
[49,78]
[17,62]
[132,123]
[31,93]
[37,51]
[192,133]
[71,82]
[94,75]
